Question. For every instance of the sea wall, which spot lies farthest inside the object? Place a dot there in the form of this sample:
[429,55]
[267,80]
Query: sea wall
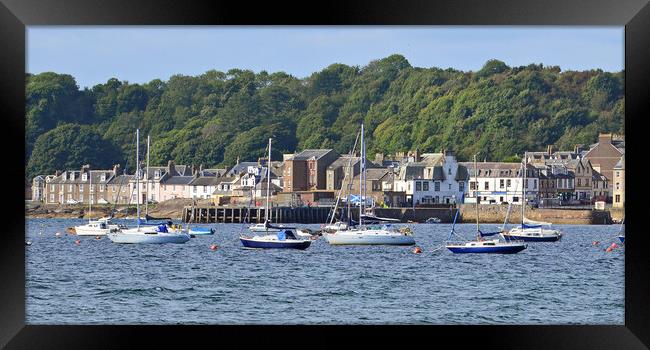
[491,213]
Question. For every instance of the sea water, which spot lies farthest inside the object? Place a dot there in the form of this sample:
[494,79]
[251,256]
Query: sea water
[96,281]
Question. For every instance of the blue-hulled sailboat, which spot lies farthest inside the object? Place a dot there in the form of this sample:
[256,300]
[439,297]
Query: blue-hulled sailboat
[277,237]
[481,245]
[621,232]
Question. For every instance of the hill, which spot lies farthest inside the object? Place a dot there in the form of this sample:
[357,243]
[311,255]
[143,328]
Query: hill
[216,117]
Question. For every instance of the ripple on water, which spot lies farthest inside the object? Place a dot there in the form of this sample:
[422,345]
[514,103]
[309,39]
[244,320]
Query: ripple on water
[101,282]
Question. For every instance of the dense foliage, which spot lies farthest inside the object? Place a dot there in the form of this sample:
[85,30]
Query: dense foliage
[217,117]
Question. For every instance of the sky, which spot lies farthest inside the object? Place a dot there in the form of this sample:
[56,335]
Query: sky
[139,54]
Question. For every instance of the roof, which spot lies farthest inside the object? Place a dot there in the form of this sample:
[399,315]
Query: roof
[204,181]
[343,161]
[120,179]
[241,168]
[315,154]
[432,159]
[461,173]
[177,180]
[410,171]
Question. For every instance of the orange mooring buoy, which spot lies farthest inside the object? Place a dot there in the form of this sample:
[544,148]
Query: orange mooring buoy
[213,247]
[98,237]
[614,245]
[417,250]
[77,242]
[595,243]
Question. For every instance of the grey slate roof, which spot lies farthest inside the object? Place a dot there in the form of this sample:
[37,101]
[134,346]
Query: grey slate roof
[410,171]
[177,180]
[240,168]
[311,153]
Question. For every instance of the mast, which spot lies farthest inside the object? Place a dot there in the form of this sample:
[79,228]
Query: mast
[363,170]
[90,192]
[146,202]
[348,174]
[523,190]
[478,234]
[268,182]
[137,172]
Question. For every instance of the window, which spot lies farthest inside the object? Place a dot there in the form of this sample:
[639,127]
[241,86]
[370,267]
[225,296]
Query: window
[534,184]
[101,188]
[526,183]
[70,187]
[579,182]
[81,188]
[618,187]
[194,189]
[472,185]
[52,188]
[515,199]
[437,186]
[618,198]
[461,186]
[449,187]
[84,177]
[618,173]
[425,186]
[418,186]
[51,197]
[486,185]
[508,183]
[205,189]
[449,171]
[501,183]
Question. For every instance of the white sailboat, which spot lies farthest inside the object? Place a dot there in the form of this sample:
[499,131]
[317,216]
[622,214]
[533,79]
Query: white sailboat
[369,235]
[276,237]
[162,233]
[530,230]
[340,224]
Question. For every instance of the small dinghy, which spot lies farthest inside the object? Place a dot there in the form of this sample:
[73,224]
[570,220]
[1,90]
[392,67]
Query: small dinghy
[201,231]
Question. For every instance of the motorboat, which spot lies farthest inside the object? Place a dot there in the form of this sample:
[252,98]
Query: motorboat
[100,227]
[433,221]
[263,227]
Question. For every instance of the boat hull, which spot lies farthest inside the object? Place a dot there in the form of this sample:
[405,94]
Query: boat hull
[201,232]
[148,238]
[512,249]
[85,231]
[527,238]
[286,244]
[345,238]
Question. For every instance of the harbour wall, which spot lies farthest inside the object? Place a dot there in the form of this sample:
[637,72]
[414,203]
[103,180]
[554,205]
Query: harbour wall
[491,213]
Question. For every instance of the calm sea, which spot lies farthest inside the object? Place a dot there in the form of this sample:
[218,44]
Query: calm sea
[97,281]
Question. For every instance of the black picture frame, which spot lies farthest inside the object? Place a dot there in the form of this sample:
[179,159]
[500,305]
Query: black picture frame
[633,14]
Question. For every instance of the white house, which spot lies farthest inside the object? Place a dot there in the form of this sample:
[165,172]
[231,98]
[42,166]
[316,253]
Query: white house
[438,178]
[501,183]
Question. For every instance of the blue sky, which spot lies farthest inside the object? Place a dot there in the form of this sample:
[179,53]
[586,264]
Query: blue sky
[138,54]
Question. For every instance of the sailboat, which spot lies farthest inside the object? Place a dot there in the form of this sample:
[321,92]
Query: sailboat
[340,224]
[531,231]
[621,232]
[163,233]
[480,245]
[283,237]
[100,227]
[369,235]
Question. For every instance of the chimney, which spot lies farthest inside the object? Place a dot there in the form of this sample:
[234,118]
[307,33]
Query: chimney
[549,150]
[57,173]
[116,170]
[237,160]
[379,158]
[171,168]
[605,138]
[577,149]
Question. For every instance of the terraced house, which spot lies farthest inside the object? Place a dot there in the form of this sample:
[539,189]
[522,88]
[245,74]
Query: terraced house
[79,186]
[496,183]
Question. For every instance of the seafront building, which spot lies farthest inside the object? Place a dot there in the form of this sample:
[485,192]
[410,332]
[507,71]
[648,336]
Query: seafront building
[315,177]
